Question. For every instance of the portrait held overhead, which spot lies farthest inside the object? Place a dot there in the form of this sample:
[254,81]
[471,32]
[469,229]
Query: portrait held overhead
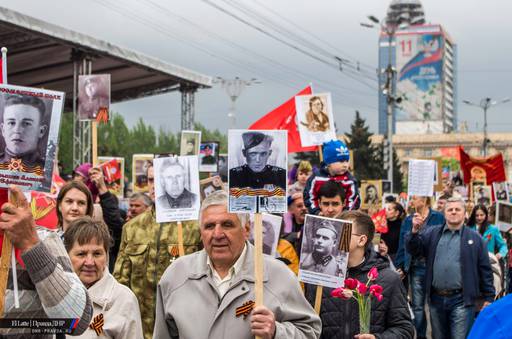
[190,142]
[270,231]
[29,124]
[208,156]
[140,165]
[176,188]
[315,119]
[93,96]
[257,171]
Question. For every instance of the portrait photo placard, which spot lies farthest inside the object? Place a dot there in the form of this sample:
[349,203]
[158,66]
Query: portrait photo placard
[209,185]
[371,193]
[504,215]
[222,169]
[29,130]
[257,171]
[271,228]
[208,156]
[500,191]
[93,95]
[140,165]
[315,119]
[482,194]
[176,188]
[321,260]
[190,142]
[113,172]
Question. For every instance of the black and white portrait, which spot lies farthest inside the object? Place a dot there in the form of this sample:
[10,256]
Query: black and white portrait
[504,216]
[222,169]
[271,227]
[500,191]
[257,169]
[29,126]
[190,142]
[315,119]
[140,165]
[386,186]
[208,156]
[93,95]
[176,188]
[321,260]
[482,194]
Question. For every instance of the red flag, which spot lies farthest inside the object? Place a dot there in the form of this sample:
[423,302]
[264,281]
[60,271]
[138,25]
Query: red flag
[111,170]
[283,118]
[44,205]
[380,221]
[492,166]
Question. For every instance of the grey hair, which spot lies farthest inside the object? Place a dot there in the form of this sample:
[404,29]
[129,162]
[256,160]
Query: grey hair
[456,199]
[221,198]
[141,196]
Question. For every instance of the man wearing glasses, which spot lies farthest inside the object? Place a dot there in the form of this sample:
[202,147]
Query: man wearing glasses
[256,173]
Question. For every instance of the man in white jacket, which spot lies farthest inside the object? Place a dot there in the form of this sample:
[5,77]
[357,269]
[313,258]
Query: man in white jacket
[210,294]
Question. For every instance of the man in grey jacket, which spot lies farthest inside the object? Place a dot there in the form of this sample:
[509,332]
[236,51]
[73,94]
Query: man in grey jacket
[210,294]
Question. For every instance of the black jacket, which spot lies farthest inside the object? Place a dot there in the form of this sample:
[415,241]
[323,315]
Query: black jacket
[112,217]
[390,318]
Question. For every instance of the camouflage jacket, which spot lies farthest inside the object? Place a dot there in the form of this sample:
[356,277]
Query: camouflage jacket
[147,249]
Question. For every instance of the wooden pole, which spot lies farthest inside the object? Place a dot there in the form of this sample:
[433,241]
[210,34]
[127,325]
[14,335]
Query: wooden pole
[258,260]
[94,130]
[181,249]
[319,289]
[4,270]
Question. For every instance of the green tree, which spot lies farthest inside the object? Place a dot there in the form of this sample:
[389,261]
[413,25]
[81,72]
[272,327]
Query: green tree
[65,154]
[216,135]
[367,157]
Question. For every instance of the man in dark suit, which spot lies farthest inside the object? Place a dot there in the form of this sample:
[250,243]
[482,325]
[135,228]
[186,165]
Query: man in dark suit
[173,181]
[256,173]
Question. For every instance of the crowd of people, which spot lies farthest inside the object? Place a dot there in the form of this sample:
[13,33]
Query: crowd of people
[121,275]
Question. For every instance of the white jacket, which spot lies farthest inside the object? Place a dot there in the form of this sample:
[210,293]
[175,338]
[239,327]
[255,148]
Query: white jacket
[119,307]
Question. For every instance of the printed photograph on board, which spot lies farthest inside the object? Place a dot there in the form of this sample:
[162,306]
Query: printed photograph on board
[271,227]
[190,142]
[315,119]
[141,164]
[208,156]
[93,95]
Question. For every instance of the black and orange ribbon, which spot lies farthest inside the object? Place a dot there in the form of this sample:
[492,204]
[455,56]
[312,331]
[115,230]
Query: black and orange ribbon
[97,324]
[245,309]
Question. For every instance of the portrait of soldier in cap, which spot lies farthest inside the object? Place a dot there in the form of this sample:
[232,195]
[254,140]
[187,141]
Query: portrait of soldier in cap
[320,248]
[256,173]
[190,142]
[24,128]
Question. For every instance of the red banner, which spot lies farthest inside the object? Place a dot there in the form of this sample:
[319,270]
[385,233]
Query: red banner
[283,118]
[474,168]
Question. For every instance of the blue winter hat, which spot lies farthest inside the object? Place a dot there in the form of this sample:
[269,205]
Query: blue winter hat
[334,151]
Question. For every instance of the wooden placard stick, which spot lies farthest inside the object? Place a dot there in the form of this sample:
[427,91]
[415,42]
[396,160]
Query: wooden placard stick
[181,249]
[258,260]
[319,289]
[94,130]
[4,269]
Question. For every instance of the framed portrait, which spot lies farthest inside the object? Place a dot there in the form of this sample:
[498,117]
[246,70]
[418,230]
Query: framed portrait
[190,142]
[371,194]
[113,172]
[482,194]
[271,230]
[257,176]
[208,156]
[29,136]
[140,165]
[500,191]
[209,185]
[504,215]
[323,259]
[93,95]
[177,188]
[386,186]
[315,119]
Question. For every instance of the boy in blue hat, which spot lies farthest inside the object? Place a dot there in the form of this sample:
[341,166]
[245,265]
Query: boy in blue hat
[334,167]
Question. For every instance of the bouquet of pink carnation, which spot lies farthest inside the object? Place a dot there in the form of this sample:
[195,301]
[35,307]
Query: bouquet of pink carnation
[362,293]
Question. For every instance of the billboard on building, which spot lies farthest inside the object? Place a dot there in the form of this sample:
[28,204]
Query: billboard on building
[419,64]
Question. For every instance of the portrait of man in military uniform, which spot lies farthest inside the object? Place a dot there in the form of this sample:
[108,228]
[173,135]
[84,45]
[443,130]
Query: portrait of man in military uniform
[320,252]
[208,153]
[24,130]
[257,172]
[190,142]
[176,192]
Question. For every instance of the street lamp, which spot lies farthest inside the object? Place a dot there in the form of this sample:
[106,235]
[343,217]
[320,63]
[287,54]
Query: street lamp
[485,104]
[234,87]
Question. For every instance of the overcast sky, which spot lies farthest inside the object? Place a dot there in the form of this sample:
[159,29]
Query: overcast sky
[196,35]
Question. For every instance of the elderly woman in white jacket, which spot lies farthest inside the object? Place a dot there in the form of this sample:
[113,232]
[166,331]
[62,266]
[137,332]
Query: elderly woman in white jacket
[116,311]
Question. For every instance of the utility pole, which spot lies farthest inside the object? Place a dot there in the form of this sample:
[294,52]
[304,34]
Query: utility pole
[485,104]
[234,88]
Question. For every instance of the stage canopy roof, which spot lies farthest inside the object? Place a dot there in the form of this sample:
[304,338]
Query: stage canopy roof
[41,54]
